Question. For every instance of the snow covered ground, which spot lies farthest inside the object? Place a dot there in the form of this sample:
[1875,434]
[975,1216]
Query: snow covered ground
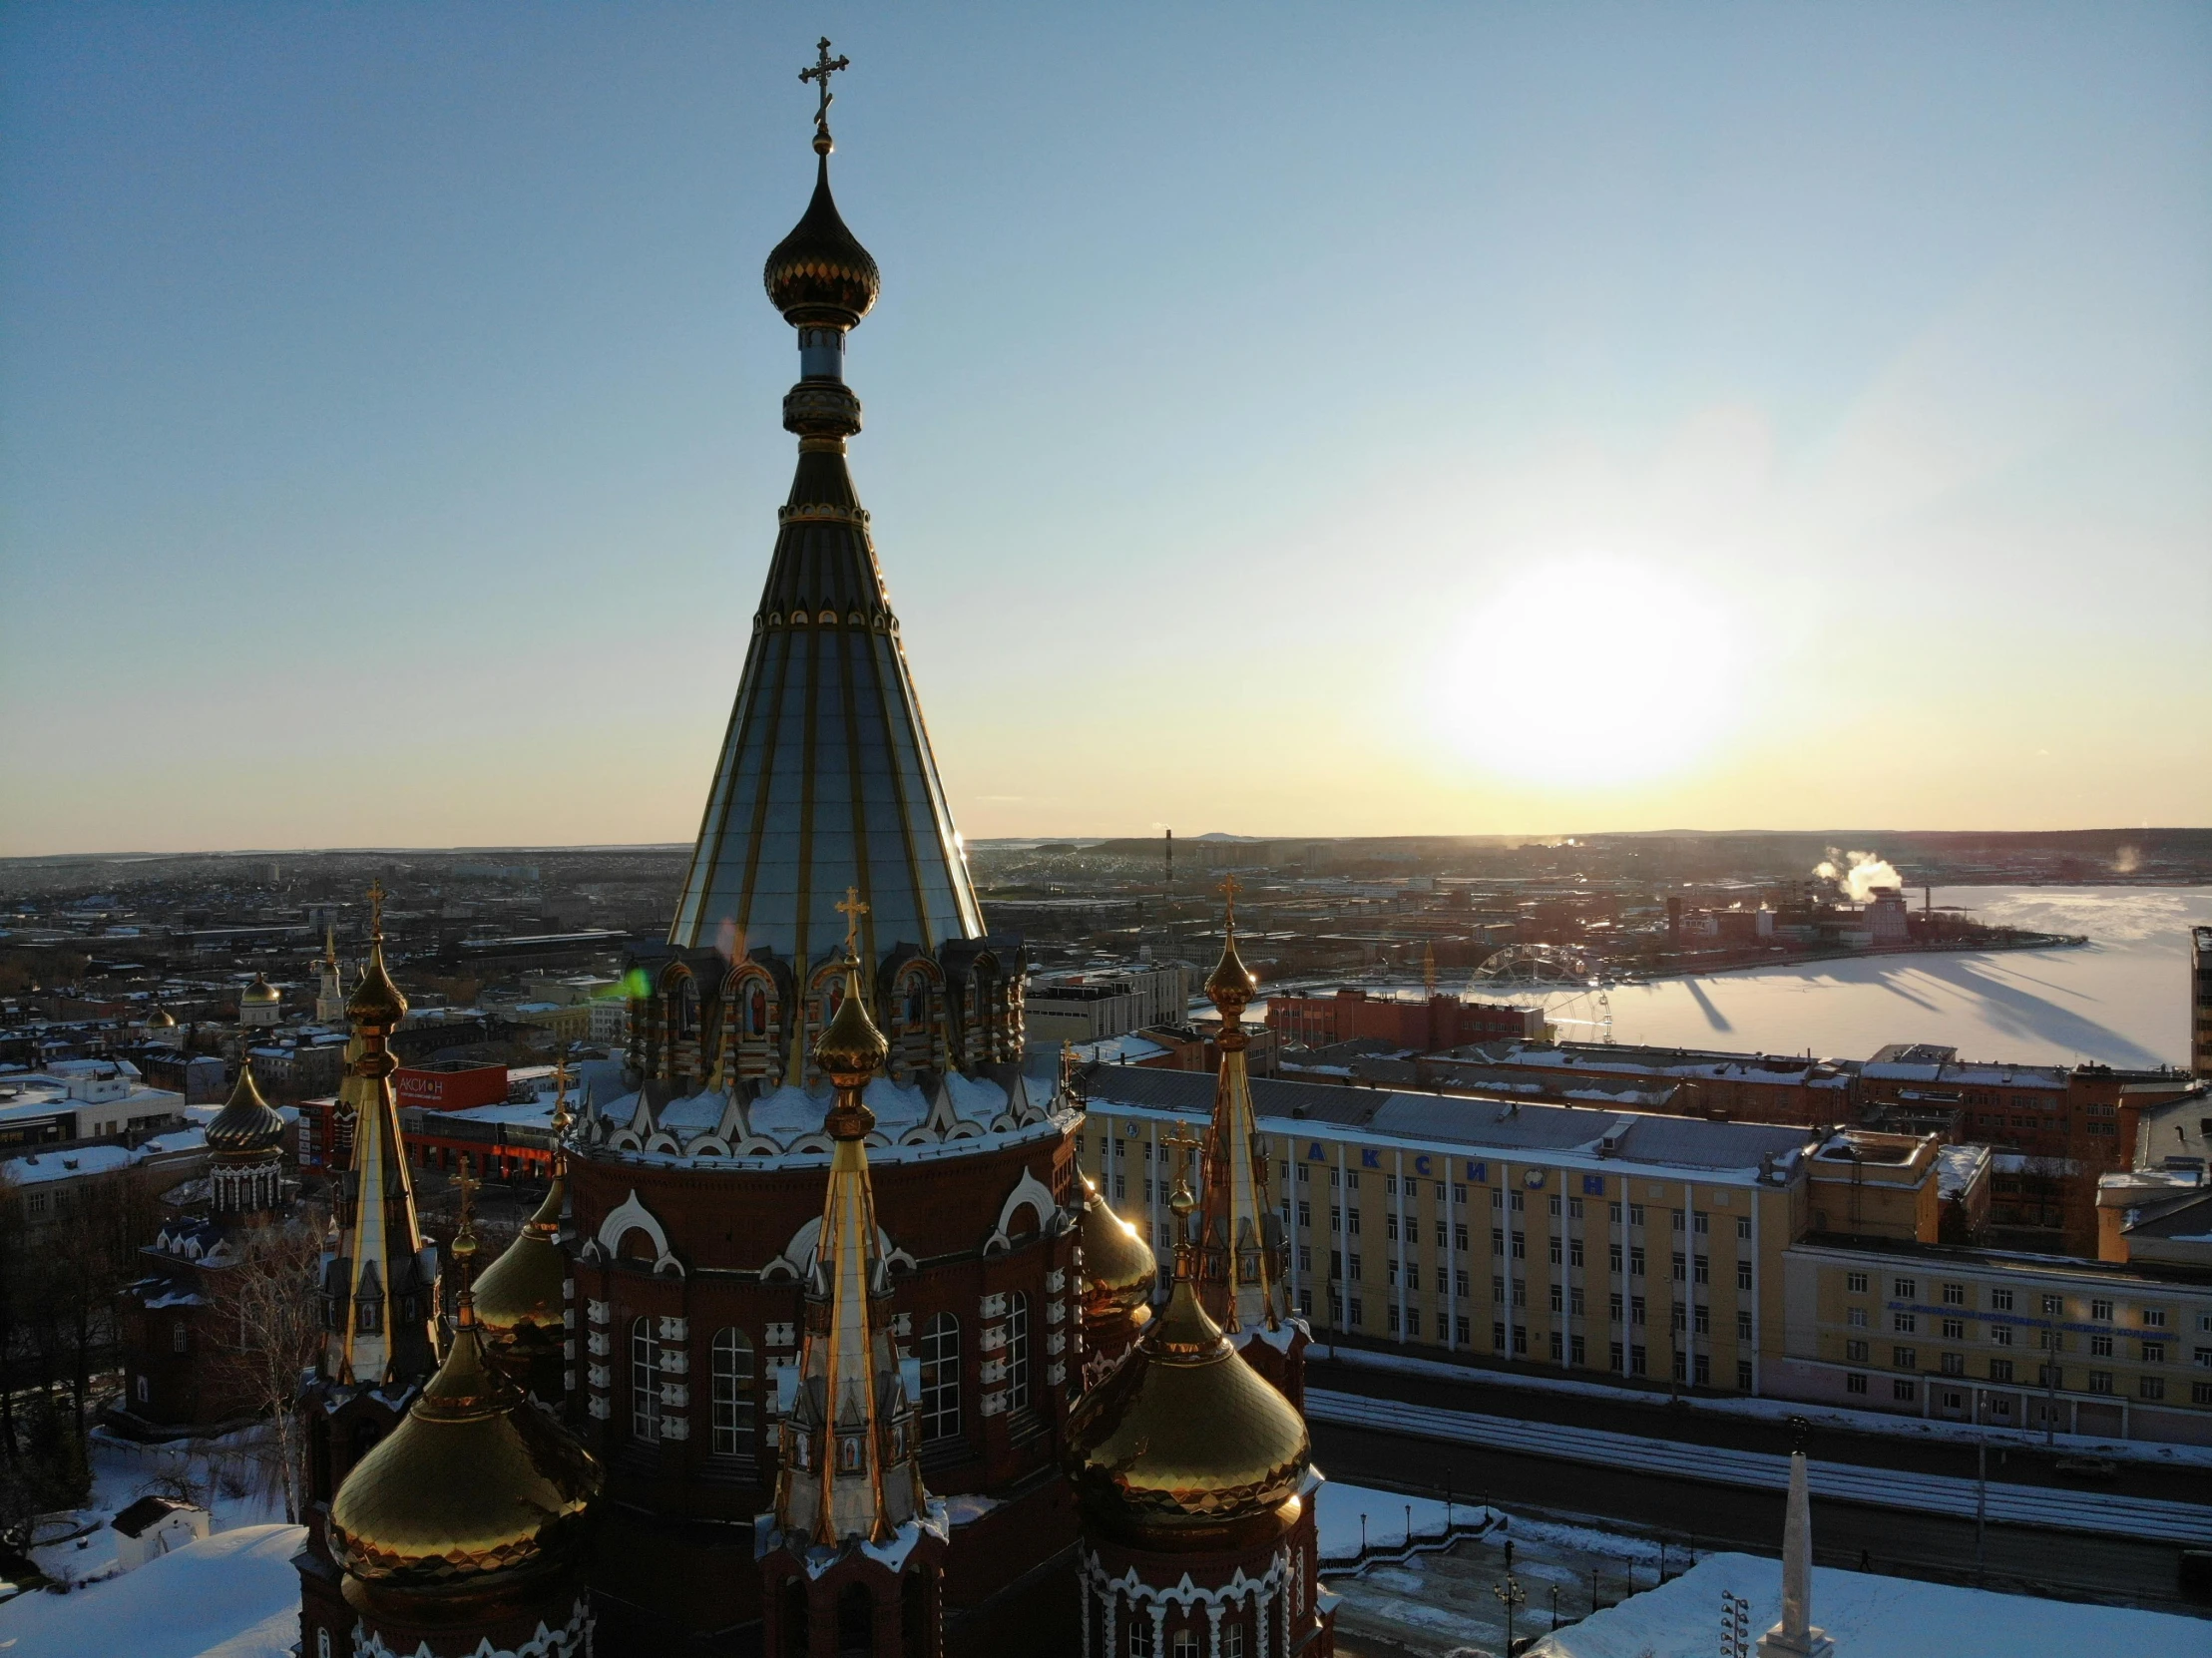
[1871,1617]
[1343,1507]
[226,1477]
[1770,1409]
[231,1595]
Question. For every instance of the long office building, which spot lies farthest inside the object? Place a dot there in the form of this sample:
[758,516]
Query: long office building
[1740,1257]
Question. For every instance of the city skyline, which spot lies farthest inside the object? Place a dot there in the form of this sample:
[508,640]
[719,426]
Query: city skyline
[1601,423]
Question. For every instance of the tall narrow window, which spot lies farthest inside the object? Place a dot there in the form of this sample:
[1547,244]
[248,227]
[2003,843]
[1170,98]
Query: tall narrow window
[939,1351]
[733,1397]
[644,1380]
[1017,1352]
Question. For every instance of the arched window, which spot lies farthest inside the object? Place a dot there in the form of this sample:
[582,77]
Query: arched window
[856,1621]
[644,1380]
[1017,1352]
[734,1405]
[939,1351]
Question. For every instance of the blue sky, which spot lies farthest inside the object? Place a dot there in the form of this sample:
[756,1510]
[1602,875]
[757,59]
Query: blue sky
[1279,419]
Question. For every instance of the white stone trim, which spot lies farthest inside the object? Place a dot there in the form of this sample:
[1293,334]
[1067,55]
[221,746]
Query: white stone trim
[1030,1192]
[630,1214]
[572,1640]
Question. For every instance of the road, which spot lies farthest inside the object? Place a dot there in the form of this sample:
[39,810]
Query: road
[1708,1518]
[2008,1464]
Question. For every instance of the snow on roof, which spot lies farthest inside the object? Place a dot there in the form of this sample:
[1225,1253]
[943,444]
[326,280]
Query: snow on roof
[1956,1167]
[1896,1617]
[148,1511]
[231,1595]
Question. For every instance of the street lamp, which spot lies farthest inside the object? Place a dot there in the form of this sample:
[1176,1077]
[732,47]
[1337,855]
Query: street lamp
[1512,1596]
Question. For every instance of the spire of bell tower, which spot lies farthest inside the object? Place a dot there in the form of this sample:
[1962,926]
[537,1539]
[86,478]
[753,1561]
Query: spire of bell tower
[1243,1258]
[381,1280]
[850,1461]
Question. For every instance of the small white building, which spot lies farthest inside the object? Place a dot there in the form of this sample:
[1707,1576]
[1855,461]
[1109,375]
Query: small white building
[153,1527]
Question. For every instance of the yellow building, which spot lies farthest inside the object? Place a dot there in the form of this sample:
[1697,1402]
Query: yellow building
[1636,1245]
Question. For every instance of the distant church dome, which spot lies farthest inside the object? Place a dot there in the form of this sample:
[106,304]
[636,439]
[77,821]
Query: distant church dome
[819,277]
[160,1019]
[261,993]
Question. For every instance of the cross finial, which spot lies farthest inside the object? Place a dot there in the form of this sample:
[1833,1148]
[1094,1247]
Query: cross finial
[377,907]
[823,68]
[1230,887]
[852,909]
[561,1076]
[466,1183]
[1182,1137]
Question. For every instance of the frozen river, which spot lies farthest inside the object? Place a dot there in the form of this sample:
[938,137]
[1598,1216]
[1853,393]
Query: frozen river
[2123,999]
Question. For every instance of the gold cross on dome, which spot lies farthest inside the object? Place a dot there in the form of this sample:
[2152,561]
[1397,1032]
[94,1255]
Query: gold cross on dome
[466,1185]
[1182,1138]
[852,909]
[1230,887]
[376,907]
[823,68]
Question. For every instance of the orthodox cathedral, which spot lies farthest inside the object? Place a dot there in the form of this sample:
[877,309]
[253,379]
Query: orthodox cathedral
[821,1343]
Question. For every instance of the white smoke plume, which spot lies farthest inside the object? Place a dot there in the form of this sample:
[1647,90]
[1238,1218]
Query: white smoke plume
[1857,874]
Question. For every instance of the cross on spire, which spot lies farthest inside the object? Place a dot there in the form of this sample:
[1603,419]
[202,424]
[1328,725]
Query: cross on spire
[852,909]
[377,907]
[823,68]
[1230,887]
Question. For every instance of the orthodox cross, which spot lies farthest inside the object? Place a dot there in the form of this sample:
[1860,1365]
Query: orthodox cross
[852,909]
[1230,887]
[1185,1140]
[824,67]
[561,1076]
[376,907]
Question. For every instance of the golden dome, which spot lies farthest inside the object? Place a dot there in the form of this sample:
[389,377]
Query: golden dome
[819,275]
[1119,1269]
[1229,986]
[376,1000]
[852,1050]
[1185,1438]
[261,993]
[476,1480]
[247,1122]
[160,1019]
[522,1293]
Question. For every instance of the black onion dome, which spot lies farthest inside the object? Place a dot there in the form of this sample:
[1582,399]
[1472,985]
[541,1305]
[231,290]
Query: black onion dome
[248,1123]
[819,275]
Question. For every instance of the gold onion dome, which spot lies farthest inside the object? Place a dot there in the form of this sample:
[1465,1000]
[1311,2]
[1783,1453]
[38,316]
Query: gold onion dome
[819,277]
[525,1286]
[852,1050]
[476,1480]
[247,1122]
[1119,1266]
[160,1019]
[376,1000]
[1229,986]
[1185,1438]
[261,992]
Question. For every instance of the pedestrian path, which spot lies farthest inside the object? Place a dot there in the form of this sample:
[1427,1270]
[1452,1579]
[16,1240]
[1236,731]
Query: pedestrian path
[2046,1507]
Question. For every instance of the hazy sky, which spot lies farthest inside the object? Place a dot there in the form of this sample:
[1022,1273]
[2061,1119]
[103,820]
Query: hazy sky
[1279,419]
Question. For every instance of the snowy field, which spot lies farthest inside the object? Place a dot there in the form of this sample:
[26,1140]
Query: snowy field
[1869,1617]
[239,1593]
[231,1595]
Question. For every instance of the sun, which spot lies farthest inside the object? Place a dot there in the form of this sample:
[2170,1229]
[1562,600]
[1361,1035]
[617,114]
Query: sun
[1590,671]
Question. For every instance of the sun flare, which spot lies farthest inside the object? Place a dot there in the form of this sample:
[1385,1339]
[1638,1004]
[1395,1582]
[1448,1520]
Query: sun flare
[1595,672]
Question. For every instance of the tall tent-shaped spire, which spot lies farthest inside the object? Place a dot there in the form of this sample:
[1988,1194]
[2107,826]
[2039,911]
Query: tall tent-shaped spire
[380,1279]
[826,779]
[1243,1259]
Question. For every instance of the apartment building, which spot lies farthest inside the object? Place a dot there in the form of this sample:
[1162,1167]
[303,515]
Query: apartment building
[1967,1335]
[1709,1254]
[1101,1003]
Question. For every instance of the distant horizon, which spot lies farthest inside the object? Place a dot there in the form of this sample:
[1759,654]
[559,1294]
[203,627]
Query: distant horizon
[1523,837]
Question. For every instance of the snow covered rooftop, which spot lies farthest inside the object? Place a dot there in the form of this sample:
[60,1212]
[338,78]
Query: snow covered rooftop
[1869,1617]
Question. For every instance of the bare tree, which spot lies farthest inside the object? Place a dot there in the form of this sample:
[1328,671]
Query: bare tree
[274,1296]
